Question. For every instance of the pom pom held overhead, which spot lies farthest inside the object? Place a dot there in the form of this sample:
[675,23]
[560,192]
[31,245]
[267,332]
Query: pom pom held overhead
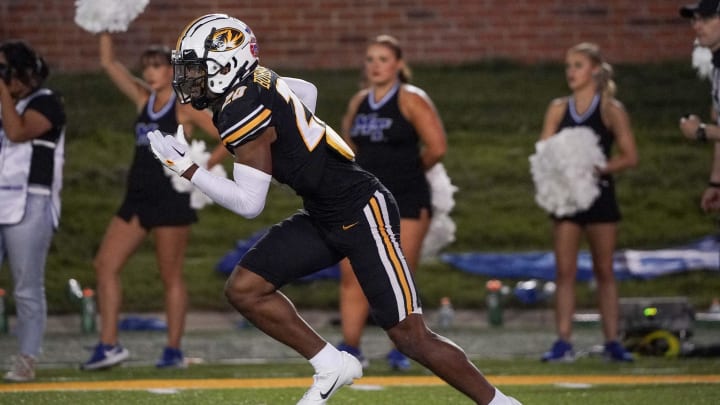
[97,16]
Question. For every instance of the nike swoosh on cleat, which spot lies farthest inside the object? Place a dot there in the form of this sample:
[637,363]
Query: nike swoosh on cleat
[346,227]
[324,395]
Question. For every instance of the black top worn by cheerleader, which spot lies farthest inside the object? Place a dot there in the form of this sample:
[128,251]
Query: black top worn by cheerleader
[605,207]
[150,194]
[388,146]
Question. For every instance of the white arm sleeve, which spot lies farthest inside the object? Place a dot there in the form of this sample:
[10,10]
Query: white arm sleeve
[244,195]
[305,90]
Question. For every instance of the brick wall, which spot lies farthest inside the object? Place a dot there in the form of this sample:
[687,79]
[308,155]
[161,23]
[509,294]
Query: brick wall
[333,33]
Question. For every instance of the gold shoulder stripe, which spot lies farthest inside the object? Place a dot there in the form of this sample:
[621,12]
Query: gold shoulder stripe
[243,130]
[338,144]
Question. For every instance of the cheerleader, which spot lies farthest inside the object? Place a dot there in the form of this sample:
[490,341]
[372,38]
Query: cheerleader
[592,104]
[151,205]
[398,135]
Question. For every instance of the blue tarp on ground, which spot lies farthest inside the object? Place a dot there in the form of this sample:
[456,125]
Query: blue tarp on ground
[703,254]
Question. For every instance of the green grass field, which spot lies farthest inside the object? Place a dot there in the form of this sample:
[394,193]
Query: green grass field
[654,381]
[671,394]
[492,113]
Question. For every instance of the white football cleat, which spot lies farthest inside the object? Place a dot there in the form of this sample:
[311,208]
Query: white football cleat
[326,384]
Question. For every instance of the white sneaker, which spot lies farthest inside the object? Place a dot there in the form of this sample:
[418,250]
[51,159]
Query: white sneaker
[23,369]
[326,384]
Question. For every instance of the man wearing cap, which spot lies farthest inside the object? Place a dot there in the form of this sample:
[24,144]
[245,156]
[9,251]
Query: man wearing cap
[705,17]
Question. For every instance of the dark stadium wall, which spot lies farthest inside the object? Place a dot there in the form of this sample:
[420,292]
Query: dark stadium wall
[333,33]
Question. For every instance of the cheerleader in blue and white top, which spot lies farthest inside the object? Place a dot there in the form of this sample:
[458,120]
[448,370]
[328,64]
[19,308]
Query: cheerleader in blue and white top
[398,135]
[151,205]
[592,104]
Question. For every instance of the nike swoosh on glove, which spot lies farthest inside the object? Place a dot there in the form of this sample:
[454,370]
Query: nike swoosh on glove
[169,151]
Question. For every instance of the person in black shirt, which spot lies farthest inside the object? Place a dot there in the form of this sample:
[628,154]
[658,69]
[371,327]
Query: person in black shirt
[397,134]
[32,144]
[705,17]
[347,211]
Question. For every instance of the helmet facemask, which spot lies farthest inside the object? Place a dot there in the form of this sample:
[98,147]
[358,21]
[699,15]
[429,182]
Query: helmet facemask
[190,77]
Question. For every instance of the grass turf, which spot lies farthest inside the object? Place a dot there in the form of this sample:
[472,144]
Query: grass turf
[513,376]
[492,113]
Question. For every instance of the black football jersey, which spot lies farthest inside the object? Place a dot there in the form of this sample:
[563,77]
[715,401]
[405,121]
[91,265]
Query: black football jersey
[308,155]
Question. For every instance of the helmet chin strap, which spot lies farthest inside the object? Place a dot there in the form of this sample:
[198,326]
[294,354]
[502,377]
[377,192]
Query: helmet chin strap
[200,103]
[238,77]
[235,79]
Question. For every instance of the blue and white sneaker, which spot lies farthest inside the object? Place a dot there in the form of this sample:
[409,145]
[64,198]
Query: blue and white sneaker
[614,351]
[397,361]
[561,351]
[355,351]
[105,356]
[171,358]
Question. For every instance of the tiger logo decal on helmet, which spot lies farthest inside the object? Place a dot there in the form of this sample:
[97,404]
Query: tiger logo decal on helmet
[213,54]
[226,39]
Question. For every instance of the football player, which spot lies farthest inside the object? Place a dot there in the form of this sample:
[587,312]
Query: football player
[347,211]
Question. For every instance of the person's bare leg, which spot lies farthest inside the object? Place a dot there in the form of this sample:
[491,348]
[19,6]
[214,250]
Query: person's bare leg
[120,241]
[442,357]
[566,246]
[354,307]
[602,245]
[170,247]
[271,312]
[412,234]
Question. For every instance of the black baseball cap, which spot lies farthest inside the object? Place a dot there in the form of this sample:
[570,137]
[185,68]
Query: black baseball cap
[704,8]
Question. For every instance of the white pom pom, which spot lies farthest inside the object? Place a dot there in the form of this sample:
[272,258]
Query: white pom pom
[179,183]
[563,170]
[107,15]
[442,227]
[702,61]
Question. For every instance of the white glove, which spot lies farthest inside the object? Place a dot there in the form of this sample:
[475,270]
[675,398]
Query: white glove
[169,151]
